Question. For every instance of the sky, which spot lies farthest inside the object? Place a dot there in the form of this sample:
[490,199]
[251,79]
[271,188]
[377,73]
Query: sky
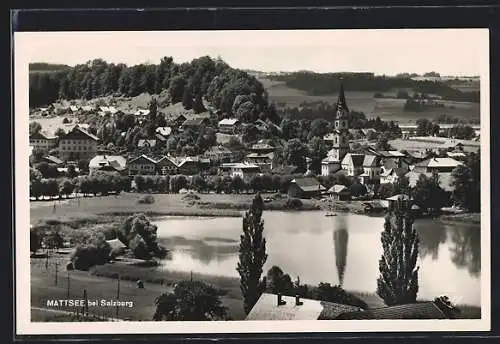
[446,51]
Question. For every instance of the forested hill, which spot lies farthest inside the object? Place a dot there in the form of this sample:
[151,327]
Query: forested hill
[328,83]
[47,67]
[192,82]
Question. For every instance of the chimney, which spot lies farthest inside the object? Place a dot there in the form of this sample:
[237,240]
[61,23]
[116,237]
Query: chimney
[297,301]
[281,302]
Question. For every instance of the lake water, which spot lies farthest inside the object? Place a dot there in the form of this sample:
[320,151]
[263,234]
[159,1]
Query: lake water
[343,249]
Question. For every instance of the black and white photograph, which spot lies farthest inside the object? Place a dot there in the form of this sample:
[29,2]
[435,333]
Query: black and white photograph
[252,181]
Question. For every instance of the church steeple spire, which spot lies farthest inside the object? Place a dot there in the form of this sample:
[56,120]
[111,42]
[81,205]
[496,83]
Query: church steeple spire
[342,108]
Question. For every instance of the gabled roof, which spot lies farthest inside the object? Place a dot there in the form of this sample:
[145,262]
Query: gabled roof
[399,197]
[143,157]
[260,155]
[53,159]
[116,244]
[353,159]
[118,162]
[421,310]
[194,121]
[146,143]
[308,184]
[338,188]
[79,133]
[229,121]
[439,162]
[166,160]
[371,161]
[266,308]
[40,135]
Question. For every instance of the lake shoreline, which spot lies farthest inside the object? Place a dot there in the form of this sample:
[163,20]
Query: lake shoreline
[207,205]
[101,280]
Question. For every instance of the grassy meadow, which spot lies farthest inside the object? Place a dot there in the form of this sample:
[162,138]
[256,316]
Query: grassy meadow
[387,109]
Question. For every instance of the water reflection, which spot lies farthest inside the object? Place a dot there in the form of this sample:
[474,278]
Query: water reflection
[207,250]
[465,249]
[340,239]
[431,236]
[301,244]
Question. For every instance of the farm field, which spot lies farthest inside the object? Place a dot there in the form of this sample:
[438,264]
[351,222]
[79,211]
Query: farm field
[386,109]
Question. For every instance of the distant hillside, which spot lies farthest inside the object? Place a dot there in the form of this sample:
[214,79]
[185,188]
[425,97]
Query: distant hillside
[42,67]
[232,91]
[319,84]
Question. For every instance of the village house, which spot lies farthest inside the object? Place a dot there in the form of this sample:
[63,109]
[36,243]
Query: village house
[329,165]
[194,123]
[439,165]
[142,165]
[193,165]
[263,160]
[353,164]
[50,159]
[142,114]
[242,170]
[104,162]
[43,142]
[146,143]
[107,110]
[218,154]
[281,307]
[371,170]
[78,144]
[305,187]
[262,148]
[340,192]
[229,125]
[166,166]
[392,175]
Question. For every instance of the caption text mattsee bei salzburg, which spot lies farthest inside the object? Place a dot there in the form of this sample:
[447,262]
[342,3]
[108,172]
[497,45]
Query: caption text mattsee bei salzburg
[88,303]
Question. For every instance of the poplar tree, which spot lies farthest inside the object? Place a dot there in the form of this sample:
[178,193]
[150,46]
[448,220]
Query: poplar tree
[252,254]
[398,280]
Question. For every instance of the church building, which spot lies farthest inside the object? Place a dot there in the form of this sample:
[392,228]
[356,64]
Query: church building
[339,137]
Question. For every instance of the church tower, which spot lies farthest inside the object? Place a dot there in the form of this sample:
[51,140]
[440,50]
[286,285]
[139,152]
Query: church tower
[341,126]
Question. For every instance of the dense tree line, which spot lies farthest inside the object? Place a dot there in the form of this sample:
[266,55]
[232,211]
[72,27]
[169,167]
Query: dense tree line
[305,129]
[99,183]
[217,184]
[467,183]
[329,83]
[188,82]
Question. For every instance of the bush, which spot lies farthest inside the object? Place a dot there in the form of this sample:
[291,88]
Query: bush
[329,293]
[85,257]
[378,95]
[146,199]
[293,203]
[66,120]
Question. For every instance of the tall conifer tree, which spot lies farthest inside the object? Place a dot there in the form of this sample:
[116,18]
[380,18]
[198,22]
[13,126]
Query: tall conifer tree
[252,254]
[398,280]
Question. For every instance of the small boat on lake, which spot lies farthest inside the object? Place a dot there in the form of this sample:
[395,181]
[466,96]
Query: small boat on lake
[330,214]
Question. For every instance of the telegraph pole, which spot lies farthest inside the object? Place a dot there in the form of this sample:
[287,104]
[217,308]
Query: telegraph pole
[85,302]
[67,289]
[56,273]
[118,296]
